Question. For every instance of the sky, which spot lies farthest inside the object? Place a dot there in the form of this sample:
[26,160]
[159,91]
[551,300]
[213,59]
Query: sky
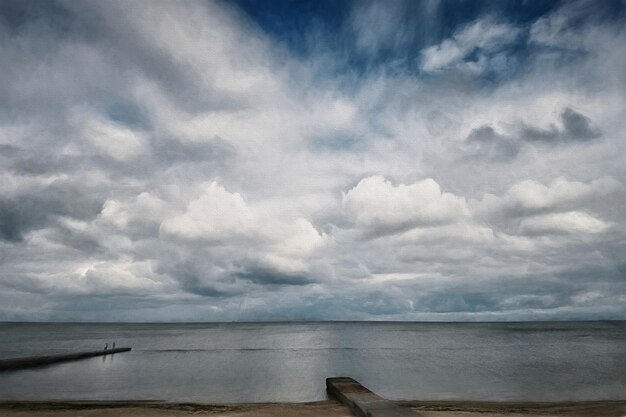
[312,160]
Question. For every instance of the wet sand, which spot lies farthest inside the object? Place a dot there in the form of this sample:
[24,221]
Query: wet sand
[316,409]
[518,409]
[49,409]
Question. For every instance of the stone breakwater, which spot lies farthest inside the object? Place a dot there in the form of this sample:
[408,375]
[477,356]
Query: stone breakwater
[35,361]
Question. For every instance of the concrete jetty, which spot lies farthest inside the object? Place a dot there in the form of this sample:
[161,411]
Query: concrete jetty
[34,361]
[363,402]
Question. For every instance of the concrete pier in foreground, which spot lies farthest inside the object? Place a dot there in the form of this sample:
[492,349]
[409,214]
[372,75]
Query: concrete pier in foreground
[363,402]
[34,361]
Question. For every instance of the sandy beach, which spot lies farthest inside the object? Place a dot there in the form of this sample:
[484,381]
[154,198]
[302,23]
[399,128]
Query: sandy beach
[315,409]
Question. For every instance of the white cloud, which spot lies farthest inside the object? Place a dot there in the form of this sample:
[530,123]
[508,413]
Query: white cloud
[376,203]
[587,297]
[570,222]
[559,28]
[484,35]
[298,239]
[121,276]
[219,217]
[526,300]
[462,232]
[214,216]
[142,209]
[112,139]
[532,196]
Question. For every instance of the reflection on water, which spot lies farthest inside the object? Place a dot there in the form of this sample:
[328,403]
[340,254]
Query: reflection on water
[243,362]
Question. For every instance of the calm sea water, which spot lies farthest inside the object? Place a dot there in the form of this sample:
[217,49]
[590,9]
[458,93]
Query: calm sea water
[262,362]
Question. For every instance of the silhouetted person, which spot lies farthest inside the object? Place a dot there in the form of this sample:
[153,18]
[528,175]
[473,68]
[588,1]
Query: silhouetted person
[106,346]
[113,345]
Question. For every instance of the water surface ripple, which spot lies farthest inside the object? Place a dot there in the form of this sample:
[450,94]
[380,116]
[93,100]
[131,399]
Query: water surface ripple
[263,362]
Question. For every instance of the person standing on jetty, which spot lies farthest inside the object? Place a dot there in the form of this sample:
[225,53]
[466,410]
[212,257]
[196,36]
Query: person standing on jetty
[106,346]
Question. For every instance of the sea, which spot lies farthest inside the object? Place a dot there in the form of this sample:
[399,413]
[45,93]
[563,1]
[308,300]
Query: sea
[289,361]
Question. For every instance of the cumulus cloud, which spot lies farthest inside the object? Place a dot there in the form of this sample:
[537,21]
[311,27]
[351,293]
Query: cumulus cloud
[218,217]
[215,215]
[377,204]
[121,276]
[141,213]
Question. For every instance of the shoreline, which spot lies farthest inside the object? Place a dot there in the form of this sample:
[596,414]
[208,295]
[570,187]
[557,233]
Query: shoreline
[329,408]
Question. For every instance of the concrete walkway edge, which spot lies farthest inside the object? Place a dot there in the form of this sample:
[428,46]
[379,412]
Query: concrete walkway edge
[362,401]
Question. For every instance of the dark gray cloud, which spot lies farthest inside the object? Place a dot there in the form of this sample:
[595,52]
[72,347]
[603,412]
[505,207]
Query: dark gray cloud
[534,134]
[170,151]
[38,208]
[194,271]
[264,276]
[24,162]
[82,241]
[10,151]
[485,142]
[492,145]
[575,127]
[198,281]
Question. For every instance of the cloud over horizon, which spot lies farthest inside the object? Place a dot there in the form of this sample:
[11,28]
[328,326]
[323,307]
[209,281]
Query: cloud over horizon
[210,160]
